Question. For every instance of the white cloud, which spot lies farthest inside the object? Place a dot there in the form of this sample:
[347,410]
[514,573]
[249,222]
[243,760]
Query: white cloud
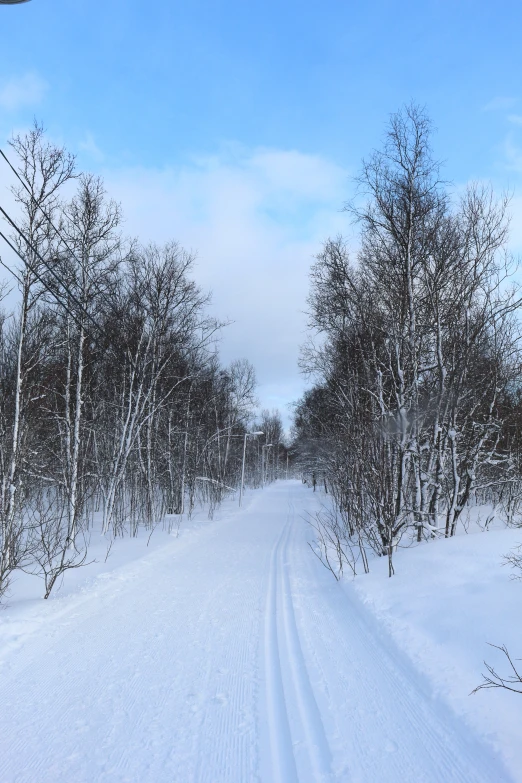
[500,103]
[89,146]
[513,154]
[21,91]
[256,219]
[515,119]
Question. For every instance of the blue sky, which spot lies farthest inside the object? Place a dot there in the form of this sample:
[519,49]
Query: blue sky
[234,127]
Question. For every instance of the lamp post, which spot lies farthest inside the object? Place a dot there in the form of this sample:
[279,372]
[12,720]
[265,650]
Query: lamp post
[247,434]
[266,446]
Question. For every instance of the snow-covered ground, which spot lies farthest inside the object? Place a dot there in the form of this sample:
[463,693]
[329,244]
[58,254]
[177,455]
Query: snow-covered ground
[447,601]
[231,654]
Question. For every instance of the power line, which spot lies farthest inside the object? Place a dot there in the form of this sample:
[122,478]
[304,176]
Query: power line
[11,271]
[38,277]
[38,205]
[49,269]
[42,210]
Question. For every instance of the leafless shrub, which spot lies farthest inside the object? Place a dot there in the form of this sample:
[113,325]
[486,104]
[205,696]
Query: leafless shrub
[510,682]
[54,550]
[334,545]
[514,559]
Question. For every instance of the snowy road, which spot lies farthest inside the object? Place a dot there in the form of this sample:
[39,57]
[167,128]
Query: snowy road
[231,656]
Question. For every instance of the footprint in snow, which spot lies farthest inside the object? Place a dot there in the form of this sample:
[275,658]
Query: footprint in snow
[220,699]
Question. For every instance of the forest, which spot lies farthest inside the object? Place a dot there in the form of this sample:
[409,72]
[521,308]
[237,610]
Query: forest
[414,412]
[114,405]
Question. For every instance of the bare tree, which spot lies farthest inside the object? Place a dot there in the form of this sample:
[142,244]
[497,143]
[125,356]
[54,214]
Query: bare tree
[510,682]
[44,168]
[113,398]
[415,347]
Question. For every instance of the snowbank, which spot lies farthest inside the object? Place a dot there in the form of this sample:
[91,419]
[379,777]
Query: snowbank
[23,610]
[447,601]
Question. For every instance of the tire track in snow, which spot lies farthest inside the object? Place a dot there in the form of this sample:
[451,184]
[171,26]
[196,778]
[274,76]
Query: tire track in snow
[282,646]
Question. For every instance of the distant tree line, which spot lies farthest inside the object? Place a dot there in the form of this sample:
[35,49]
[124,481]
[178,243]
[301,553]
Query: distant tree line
[415,354]
[113,401]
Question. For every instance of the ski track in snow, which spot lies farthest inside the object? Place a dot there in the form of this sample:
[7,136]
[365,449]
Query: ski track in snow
[234,659]
[283,645]
[382,717]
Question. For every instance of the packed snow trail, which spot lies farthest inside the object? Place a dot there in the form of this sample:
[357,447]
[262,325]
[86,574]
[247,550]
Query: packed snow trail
[233,656]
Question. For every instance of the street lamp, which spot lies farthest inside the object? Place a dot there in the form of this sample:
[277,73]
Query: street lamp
[247,434]
[12,2]
[266,446]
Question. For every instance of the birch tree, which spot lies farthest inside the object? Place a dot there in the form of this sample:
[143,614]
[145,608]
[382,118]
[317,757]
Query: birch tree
[417,344]
[44,169]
